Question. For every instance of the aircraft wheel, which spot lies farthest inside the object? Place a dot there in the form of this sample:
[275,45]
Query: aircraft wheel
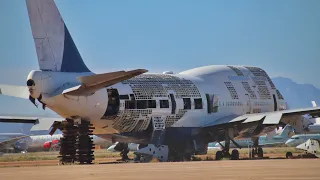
[234,155]
[260,152]
[219,155]
[253,153]
[137,158]
[289,155]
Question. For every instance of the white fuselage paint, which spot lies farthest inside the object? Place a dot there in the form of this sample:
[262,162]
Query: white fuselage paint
[206,80]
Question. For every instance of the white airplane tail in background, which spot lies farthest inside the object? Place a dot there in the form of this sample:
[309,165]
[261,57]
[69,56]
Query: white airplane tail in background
[55,48]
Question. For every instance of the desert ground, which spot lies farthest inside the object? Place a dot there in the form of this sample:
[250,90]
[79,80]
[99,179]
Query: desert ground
[44,165]
[304,169]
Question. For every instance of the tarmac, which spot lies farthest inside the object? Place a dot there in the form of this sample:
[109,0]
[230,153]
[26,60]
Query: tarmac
[284,169]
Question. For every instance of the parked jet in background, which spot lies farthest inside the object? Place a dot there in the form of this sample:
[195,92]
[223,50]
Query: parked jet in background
[301,138]
[175,114]
[131,147]
[311,146]
[49,142]
[265,140]
[14,142]
[279,139]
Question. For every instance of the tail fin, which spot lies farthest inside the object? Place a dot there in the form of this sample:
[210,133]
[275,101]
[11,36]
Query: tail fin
[314,104]
[287,131]
[55,48]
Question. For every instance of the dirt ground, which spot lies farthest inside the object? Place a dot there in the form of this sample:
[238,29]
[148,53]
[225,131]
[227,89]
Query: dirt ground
[304,169]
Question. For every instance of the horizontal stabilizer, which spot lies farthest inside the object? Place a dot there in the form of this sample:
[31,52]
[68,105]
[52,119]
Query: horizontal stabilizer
[40,123]
[91,84]
[15,91]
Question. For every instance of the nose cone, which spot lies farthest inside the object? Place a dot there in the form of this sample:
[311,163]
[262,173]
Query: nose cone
[290,142]
[111,148]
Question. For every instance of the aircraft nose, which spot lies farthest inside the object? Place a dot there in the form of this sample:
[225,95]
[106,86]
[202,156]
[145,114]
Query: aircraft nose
[111,148]
[289,142]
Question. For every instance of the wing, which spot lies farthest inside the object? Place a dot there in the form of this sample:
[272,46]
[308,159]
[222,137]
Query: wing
[291,117]
[10,142]
[40,123]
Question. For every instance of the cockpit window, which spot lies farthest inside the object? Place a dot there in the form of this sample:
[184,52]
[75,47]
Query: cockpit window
[294,138]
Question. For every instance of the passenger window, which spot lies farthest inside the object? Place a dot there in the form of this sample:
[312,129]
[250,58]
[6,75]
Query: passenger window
[164,104]
[187,103]
[152,104]
[198,103]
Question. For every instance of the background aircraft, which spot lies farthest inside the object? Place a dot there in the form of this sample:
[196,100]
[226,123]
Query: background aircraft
[311,146]
[13,142]
[49,142]
[264,140]
[175,114]
[301,138]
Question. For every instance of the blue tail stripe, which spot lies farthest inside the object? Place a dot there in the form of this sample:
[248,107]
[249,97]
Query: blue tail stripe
[71,60]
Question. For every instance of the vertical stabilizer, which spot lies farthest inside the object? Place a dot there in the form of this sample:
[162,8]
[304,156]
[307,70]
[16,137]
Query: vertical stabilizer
[55,48]
[287,131]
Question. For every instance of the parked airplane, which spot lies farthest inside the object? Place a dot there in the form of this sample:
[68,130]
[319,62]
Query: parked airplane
[176,115]
[49,142]
[264,140]
[311,146]
[131,147]
[301,138]
[13,142]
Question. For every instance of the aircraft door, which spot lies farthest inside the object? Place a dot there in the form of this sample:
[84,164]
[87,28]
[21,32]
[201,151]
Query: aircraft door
[248,105]
[173,103]
[275,102]
[212,103]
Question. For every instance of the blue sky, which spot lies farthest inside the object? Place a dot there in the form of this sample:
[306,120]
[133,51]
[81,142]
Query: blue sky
[282,37]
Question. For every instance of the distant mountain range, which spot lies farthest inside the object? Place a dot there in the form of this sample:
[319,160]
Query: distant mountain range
[296,95]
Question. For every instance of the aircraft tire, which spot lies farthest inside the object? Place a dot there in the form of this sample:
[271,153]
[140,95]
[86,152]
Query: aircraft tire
[234,155]
[260,152]
[219,155]
[289,155]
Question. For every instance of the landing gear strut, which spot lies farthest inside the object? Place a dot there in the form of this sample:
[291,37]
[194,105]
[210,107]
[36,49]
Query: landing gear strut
[225,149]
[256,149]
[68,142]
[76,145]
[124,153]
[85,143]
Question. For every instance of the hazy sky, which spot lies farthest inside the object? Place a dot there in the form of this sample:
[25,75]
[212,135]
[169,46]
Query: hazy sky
[280,36]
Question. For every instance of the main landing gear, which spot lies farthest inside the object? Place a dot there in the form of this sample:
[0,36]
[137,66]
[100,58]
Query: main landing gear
[76,145]
[225,149]
[256,150]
